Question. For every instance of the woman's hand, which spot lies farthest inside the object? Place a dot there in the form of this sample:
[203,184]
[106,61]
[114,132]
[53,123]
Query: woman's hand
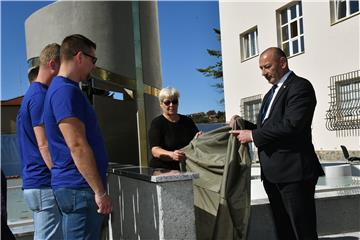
[198,134]
[165,155]
[177,155]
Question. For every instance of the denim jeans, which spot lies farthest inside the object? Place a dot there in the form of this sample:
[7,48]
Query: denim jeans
[46,214]
[80,217]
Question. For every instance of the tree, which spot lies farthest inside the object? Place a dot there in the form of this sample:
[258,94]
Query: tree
[210,113]
[215,71]
[209,117]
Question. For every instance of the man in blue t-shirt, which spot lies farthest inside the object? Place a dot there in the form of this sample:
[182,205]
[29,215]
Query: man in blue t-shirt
[76,145]
[35,157]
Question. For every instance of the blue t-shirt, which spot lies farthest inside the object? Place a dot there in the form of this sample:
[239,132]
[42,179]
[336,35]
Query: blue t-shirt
[65,99]
[34,171]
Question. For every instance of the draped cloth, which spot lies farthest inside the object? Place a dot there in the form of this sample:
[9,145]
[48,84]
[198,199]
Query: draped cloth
[222,193]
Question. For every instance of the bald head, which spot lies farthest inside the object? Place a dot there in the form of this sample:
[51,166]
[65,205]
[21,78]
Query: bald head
[273,64]
[276,52]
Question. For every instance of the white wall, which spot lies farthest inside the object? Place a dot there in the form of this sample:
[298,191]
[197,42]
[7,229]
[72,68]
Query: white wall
[329,50]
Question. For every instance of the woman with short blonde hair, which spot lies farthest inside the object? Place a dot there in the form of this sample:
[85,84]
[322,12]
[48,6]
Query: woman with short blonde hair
[168,92]
[170,132]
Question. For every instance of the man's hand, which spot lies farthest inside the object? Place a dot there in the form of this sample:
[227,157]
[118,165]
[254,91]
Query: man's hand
[244,136]
[233,120]
[104,203]
[74,134]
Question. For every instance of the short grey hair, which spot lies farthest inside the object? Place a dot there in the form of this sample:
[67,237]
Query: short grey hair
[168,92]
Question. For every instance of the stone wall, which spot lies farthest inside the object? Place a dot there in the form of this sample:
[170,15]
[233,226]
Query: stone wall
[327,155]
[323,155]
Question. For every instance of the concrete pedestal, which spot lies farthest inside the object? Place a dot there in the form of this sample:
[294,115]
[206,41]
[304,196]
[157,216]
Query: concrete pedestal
[336,175]
[151,204]
[336,199]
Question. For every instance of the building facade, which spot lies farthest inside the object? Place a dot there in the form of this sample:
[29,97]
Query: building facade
[321,40]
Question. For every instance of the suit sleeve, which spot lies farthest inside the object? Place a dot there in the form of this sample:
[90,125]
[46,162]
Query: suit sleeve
[249,125]
[298,110]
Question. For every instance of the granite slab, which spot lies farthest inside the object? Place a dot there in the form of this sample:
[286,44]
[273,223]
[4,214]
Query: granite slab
[149,174]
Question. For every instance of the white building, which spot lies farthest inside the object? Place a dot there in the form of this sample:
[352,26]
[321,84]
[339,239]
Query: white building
[321,39]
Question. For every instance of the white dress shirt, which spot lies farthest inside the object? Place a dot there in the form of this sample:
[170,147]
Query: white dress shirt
[279,85]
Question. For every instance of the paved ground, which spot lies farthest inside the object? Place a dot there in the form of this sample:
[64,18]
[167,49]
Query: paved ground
[344,236]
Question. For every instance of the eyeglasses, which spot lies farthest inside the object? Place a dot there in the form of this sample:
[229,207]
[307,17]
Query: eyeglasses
[174,102]
[93,59]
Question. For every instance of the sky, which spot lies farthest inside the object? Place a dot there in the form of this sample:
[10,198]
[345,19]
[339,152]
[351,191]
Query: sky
[186,31]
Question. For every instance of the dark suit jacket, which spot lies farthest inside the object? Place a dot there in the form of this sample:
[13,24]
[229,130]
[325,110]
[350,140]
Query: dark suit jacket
[284,139]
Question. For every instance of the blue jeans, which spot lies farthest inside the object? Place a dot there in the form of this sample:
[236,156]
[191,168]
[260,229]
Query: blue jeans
[80,217]
[46,214]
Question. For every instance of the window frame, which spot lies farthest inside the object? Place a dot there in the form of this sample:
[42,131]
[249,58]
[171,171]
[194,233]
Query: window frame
[346,95]
[243,49]
[255,100]
[299,37]
[333,13]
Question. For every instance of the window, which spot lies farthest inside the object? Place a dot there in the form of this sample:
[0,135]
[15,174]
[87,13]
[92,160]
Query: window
[344,112]
[341,9]
[249,44]
[291,29]
[250,108]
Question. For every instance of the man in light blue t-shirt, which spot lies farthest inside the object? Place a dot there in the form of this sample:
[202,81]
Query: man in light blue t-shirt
[76,145]
[35,158]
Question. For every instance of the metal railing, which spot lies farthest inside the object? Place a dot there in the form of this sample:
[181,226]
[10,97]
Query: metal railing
[343,115]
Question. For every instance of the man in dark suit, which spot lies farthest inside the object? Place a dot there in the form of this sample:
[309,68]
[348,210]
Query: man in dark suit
[289,165]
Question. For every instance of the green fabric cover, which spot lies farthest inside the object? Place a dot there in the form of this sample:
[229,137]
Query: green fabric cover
[222,193]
